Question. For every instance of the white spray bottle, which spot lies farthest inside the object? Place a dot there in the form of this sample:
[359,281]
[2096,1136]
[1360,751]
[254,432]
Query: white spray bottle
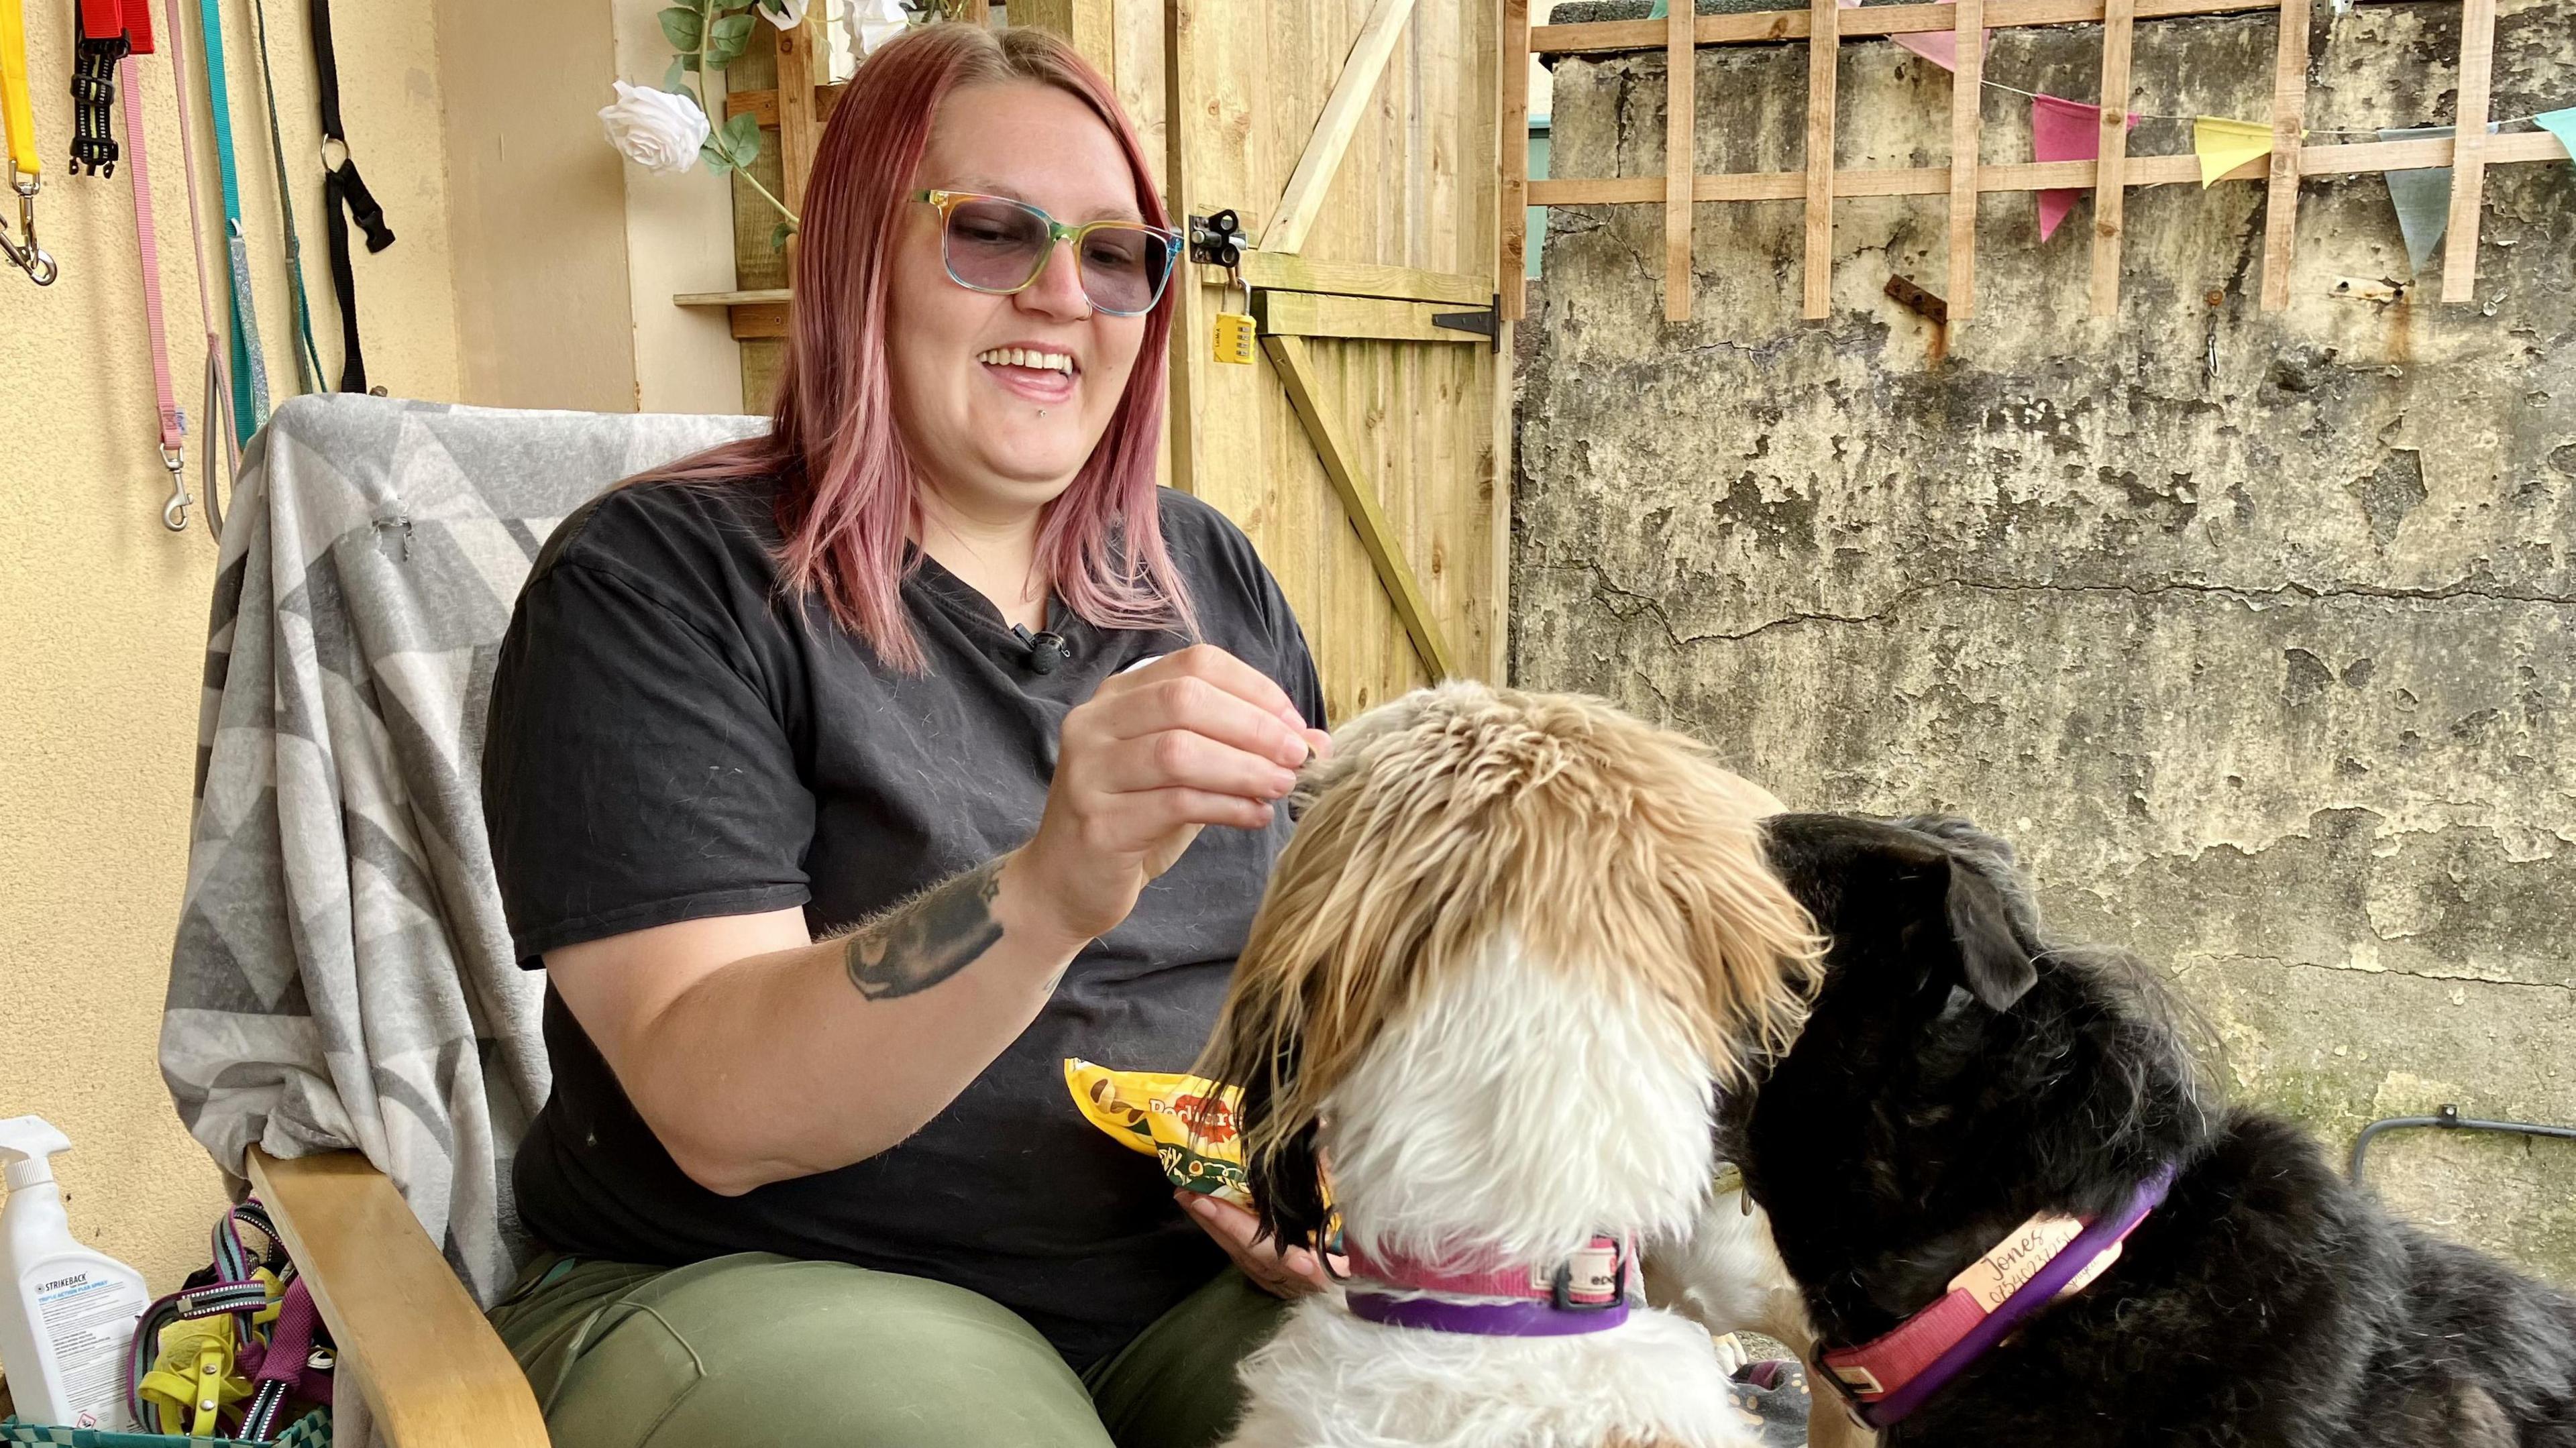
[67,1314]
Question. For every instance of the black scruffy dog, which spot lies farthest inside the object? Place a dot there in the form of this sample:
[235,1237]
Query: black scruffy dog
[1981,1077]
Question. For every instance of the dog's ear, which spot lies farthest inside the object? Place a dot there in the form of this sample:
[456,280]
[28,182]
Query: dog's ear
[1991,956]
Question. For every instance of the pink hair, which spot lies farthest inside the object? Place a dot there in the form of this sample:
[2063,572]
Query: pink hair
[847,497]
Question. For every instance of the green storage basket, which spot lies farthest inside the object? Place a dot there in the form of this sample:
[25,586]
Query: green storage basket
[313,1430]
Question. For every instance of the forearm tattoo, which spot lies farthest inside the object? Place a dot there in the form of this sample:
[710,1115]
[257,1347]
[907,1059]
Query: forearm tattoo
[916,946]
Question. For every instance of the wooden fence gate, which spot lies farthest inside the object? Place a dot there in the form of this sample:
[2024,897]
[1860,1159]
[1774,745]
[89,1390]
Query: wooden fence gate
[1365,446]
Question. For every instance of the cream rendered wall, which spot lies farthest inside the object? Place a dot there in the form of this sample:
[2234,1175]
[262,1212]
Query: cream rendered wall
[537,206]
[103,613]
[679,239]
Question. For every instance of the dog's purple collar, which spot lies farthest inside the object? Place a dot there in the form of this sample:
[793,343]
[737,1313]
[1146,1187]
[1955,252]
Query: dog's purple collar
[1487,1319]
[1903,1398]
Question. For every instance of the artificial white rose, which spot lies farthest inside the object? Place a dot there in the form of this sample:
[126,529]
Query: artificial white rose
[878,21]
[794,13]
[654,128]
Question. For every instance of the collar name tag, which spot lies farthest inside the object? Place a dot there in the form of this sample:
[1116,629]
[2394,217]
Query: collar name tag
[1995,1277]
[1593,1275]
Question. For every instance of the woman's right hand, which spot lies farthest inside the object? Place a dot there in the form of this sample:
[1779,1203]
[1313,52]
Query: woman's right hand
[1192,739]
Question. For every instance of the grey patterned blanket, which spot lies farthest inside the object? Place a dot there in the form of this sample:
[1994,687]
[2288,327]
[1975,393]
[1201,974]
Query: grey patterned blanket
[342,976]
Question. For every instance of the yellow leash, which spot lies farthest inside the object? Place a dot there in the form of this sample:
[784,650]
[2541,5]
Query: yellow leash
[26,167]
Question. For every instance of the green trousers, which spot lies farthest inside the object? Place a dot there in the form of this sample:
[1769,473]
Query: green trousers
[761,1351]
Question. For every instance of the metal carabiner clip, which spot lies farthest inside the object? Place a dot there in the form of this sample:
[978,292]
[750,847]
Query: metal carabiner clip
[25,254]
[174,513]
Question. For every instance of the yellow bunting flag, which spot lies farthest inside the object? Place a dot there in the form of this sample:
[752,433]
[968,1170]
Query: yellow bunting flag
[2223,145]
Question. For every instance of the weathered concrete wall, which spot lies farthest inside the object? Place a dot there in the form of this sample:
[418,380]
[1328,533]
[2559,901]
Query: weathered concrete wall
[2266,664]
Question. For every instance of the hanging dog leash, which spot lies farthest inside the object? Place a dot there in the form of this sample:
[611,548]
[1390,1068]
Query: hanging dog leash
[346,197]
[220,460]
[249,375]
[104,40]
[26,167]
[174,424]
[112,34]
[308,362]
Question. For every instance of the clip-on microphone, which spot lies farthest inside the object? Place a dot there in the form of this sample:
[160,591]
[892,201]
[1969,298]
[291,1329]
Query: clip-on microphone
[1047,651]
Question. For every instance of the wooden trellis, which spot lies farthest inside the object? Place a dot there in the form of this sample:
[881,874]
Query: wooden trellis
[1825,23]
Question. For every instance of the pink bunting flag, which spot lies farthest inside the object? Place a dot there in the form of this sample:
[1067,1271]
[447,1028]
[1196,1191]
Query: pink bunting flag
[1941,47]
[2062,130]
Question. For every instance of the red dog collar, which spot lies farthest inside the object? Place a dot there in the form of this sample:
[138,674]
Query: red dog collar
[2045,1258]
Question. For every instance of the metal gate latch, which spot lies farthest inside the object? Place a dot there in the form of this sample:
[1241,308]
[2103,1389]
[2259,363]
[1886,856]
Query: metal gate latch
[1217,240]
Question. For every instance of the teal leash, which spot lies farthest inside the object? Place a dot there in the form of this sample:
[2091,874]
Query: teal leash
[250,368]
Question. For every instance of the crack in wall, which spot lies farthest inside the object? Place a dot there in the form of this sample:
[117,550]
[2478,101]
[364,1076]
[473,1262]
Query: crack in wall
[2221,956]
[1652,605]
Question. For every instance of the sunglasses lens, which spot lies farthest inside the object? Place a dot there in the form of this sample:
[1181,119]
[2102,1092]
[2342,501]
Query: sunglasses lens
[999,246]
[995,246]
[1123,268]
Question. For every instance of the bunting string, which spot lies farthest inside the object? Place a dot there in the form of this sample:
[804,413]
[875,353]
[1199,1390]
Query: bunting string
[2371,132]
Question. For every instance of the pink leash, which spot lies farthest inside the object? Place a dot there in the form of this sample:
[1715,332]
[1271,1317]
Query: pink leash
[219,388]
[174,428]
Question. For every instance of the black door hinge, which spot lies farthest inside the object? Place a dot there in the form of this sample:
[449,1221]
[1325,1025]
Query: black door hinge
[1487,323]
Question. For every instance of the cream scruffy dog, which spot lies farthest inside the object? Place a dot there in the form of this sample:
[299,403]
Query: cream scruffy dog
[1518,943]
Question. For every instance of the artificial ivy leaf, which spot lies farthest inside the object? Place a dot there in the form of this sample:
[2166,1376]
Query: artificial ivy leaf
[671,78]
[742,139]
[778,238]
[711,151]
[680,27]
[730,6]
[733,32]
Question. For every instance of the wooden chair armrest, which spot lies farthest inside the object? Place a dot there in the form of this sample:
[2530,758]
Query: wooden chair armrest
[435,1374]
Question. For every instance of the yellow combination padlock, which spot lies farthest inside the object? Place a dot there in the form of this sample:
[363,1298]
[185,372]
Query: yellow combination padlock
[1234,338]
[1235,331]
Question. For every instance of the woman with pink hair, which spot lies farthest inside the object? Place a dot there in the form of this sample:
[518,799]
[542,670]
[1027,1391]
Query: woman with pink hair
[847,779]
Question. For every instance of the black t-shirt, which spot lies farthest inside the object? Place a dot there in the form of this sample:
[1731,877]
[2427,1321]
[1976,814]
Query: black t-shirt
[671,738]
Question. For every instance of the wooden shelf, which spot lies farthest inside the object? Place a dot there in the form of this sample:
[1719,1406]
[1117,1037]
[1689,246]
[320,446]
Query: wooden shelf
[756,315]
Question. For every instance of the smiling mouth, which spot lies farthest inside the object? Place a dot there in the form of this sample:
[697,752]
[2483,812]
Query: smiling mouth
[1030,358]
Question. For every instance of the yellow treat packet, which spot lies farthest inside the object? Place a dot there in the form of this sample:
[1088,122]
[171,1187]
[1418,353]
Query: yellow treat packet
[1184,1122]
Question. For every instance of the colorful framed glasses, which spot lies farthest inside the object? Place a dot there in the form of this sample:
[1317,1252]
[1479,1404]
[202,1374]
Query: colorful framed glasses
[998,245]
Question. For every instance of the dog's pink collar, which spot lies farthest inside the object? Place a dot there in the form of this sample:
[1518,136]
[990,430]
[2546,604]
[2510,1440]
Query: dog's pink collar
[2042,1260]
[1587,1292]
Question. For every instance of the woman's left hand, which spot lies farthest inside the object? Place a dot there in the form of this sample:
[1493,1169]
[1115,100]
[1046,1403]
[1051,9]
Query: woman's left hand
[1291,1274]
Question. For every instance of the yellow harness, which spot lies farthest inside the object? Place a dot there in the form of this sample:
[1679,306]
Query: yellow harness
[197,1374]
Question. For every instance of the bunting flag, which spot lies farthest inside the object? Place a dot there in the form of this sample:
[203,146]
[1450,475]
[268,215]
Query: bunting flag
[2561,124]
[2061,130]
[1941,47]
[2422,197]
[2223,145]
